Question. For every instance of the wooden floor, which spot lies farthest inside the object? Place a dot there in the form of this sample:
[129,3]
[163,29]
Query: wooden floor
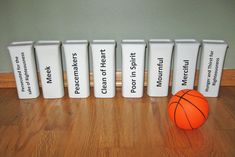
[110,127]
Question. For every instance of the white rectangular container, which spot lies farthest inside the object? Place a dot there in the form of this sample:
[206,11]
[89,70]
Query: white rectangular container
[103,57]
[185,60]
[133,56]
[211,66]
[50,67]
[24,66]
[159,63]
[77,67]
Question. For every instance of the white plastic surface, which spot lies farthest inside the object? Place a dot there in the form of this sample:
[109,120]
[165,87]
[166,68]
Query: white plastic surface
[77,68]
[50,67]
[211,66]
[103,57]
[133,56]
[24,66]
[185,60]
[159,63]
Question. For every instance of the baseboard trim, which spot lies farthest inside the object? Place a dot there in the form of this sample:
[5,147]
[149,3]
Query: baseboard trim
[7,80]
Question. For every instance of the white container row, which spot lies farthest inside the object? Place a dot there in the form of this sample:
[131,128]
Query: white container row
[184,66]
[48,55]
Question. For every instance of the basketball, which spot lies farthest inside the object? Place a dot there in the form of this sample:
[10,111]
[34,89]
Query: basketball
[188,109]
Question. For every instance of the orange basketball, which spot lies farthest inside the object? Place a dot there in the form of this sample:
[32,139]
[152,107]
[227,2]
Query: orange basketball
[188,109]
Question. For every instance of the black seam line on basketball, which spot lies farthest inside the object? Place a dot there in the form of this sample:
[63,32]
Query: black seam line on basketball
[177,106]
[196,96]
[186,91]
[193,105]
[186,115]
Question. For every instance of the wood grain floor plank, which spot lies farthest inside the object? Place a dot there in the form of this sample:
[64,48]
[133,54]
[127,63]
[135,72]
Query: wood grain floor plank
[116,127]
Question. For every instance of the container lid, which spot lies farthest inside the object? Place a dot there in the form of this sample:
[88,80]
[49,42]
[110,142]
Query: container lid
[71,42]
[186,41]
[103,42]
[133,41]
[208,41]
[162,41]
[47,42]
[21,43]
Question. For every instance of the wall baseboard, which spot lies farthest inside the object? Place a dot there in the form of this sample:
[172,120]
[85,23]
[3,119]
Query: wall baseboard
[7,80]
